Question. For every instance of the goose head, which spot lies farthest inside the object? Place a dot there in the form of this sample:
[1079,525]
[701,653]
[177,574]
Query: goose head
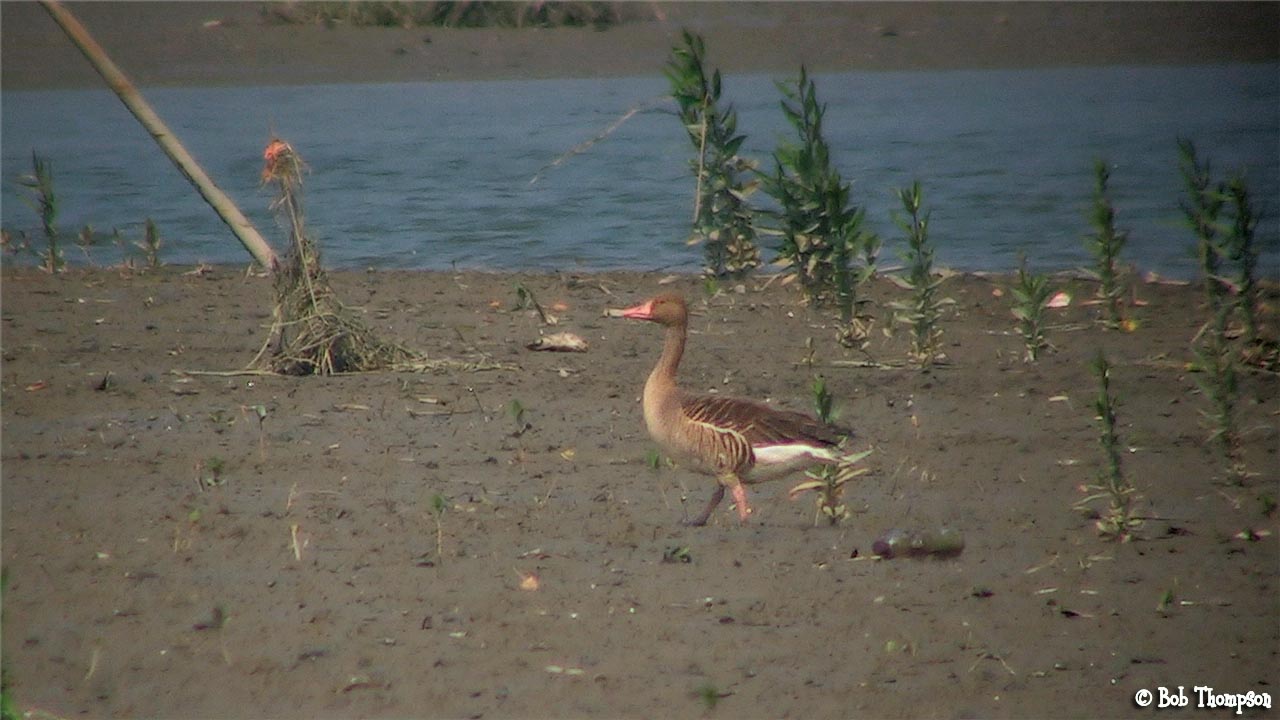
[668,309]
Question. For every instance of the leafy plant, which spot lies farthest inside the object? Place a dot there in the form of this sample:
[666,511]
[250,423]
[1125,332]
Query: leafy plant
[1242,251]
[86,239]
[525,300]
[722,217]
[1031,299]
[823,400]
[212,477]
[150,245]
[1204,204]
[1105,244]
[1117,521]
[45,202]
[922,312]
[827,482]
[1219,382]
[822,231]
[1213,348]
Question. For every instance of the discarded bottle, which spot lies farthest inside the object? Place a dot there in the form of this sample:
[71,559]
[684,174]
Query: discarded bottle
[942,543]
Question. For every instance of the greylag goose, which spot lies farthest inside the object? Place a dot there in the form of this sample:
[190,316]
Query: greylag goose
[737,441]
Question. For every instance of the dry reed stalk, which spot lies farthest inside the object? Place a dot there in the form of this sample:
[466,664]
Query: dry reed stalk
[312,332]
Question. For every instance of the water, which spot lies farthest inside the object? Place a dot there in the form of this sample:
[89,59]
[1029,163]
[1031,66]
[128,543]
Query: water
[437,175]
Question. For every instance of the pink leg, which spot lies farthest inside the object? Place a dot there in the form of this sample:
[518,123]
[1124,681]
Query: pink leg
[740,499]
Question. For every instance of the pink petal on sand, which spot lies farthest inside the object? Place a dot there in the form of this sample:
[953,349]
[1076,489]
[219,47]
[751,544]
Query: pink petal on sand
[1060,300]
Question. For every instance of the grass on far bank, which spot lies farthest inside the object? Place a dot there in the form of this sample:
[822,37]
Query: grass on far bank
[599,15]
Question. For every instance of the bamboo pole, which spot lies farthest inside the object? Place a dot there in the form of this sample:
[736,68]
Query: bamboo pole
[187,165]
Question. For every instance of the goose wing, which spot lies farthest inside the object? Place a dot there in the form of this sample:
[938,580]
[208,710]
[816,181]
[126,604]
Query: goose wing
[757,424]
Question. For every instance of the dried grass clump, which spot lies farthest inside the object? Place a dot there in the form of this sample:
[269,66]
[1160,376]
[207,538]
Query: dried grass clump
[312,332]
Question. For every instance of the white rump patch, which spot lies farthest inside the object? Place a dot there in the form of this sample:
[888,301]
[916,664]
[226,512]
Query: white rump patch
[777,460]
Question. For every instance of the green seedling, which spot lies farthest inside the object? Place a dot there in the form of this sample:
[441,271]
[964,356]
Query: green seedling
[1243,252]
[1031,299]
[710,696]
[677,554]
[438,506]
[1220,385]
[722,217]
[1203,206]
[1117,521]
[1105,245]
[150,245]
[653,459]
[810,353]
[212,475]
[823,400]
[827,483]
[822,230]
[44,201]
[516,411]
[525,300]
[1216,248]
[1257,349]
[85,240]
[259,412]
[1268,503]
[710,286]
[923,310]
[222,417]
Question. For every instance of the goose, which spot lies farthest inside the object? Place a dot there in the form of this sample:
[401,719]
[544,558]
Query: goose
[737,441]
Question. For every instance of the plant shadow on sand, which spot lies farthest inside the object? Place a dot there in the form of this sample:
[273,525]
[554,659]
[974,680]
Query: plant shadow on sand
[393,544]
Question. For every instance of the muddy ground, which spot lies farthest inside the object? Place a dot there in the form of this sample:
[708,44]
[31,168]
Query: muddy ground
[171,556]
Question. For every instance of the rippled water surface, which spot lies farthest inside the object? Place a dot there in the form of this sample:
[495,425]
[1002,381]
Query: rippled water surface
[434,175]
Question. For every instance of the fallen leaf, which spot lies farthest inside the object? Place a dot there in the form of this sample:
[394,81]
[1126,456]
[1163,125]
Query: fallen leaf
[1059,300]
[39,385]
[997,292]
[529,582]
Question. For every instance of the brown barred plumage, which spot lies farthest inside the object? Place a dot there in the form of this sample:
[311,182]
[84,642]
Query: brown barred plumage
[738,441]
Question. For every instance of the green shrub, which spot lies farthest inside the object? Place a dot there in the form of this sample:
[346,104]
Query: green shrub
[723,220]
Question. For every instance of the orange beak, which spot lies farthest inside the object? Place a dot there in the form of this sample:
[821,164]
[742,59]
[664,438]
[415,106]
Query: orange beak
[643,311]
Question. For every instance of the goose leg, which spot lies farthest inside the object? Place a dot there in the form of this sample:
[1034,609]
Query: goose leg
[740,499]
[716,497]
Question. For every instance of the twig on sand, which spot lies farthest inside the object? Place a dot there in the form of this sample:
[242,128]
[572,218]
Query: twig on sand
[877,365]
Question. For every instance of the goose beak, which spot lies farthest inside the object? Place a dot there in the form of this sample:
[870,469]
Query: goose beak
[643,311]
